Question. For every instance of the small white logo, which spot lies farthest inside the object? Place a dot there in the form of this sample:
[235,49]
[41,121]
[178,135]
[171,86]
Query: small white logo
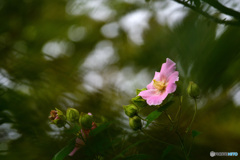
[212,154]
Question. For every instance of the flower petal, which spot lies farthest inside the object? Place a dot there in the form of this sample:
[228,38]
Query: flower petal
[153,96]
[156,77]
[167,69]
[148,93]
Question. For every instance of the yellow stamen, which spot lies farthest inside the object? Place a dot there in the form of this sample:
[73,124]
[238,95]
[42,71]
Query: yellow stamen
[160,85]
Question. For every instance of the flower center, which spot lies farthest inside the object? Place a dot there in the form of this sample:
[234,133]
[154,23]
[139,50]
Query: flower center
[160,85]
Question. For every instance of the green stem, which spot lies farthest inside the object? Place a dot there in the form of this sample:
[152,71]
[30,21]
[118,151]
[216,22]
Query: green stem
[179,136]
[194,115]
[190,148]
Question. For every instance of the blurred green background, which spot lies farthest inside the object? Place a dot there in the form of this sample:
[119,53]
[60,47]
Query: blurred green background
[93,54]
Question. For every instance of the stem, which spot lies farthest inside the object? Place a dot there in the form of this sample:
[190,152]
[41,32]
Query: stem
[179,136]
[180,111]
[190,148]
[194,115]
[155,138]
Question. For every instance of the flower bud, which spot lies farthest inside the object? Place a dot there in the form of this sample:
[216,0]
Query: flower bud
[86,120]
[57,118]
[193,90]
[135,123]
[72,115]
[130,110]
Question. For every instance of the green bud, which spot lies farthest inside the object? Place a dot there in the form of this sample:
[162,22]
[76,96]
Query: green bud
[135,123]
[72,115]
[193,90]
[86,120]
[130,110]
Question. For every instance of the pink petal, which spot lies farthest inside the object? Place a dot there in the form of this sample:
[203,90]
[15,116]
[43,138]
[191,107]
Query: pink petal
[156,77]
[167,69]
[153,96]
[90,114]
[79,143]
[74,151]
[148,93]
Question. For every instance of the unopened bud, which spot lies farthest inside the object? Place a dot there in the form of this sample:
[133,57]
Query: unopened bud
[193,90]
[86,120]
[130,110]
[135,123]
[57,118]
[72,115]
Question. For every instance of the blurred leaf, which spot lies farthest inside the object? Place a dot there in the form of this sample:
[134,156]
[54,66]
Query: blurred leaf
[99,129]
[65,151]
[152,116]
[165,106]
[195,133]
[166,151]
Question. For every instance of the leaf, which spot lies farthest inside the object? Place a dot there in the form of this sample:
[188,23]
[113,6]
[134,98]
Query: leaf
[165,106]
[100,128]
[195,133]
[65,151]
[152,116]
[166,151]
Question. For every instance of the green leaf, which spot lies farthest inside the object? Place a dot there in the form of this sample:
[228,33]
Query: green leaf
[140,90]
[152,116]
[65,151]
[100,128]
[166,151]
[165,106]
[195,133]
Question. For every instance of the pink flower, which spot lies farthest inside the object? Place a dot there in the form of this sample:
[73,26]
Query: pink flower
[85,134]
[162,84]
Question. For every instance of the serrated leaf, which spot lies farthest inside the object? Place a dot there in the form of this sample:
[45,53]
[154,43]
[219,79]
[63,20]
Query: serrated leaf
[166,151]
[65,151]
[140,90]
[152,116]
[100,128]
[195,133]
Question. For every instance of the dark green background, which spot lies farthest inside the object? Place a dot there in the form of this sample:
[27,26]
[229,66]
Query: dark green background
[37,83]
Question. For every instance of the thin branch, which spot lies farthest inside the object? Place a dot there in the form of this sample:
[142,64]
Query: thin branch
[223,9]
[205,14]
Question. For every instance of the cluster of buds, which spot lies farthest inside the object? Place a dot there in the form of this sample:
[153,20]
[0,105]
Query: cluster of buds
[85,121]
[132,112]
